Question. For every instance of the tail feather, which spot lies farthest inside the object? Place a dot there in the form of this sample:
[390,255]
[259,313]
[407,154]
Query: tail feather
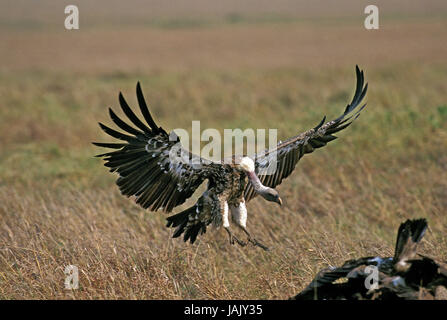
[187,223]
[409,235]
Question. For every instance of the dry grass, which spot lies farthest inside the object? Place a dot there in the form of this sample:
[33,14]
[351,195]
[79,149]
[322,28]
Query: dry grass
[59,206]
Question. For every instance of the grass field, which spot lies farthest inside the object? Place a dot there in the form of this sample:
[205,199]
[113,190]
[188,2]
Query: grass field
[59,206]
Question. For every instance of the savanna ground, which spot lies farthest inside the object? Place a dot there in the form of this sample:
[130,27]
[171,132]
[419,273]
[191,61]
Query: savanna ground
[229,68]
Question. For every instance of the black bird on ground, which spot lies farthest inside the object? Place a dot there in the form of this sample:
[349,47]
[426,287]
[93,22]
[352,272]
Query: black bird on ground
[408,275]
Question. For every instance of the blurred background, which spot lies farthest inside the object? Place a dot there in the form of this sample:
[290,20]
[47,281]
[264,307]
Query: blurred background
[234,64]
[177,35]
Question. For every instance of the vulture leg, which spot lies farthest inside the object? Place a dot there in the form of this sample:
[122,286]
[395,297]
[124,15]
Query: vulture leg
[233,238]
[253,240]
[239,216]
[226,224]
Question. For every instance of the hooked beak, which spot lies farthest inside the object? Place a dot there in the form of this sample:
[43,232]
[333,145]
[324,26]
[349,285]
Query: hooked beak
[279,201]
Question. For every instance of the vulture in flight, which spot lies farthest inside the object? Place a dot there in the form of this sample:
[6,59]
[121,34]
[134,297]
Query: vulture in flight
[150,173]
[406,276]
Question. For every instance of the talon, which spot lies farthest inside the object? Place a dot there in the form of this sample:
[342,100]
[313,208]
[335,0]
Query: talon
[255,242]
[234,239]
[241,243]
[258,244]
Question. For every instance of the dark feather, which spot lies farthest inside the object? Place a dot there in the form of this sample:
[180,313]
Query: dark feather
[120,123]
[144,163]
[144,110]
[132,117]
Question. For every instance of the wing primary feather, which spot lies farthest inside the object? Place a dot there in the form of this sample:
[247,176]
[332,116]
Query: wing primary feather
[121,164]
[320,124]
[109,145]
[132,117]
[123,125]
[358,91]
[365,89]
[116,134]
[339,128]
[144,109]
[328,138]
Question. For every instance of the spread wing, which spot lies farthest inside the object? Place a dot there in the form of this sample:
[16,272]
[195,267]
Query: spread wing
[274,165]
[147,161]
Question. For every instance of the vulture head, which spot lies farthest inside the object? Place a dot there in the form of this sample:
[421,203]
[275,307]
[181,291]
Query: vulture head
[247,165]
[271,194]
